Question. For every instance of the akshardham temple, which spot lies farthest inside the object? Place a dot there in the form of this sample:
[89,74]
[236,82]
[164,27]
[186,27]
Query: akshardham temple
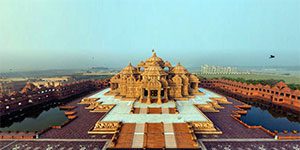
[154,105]
[154,81]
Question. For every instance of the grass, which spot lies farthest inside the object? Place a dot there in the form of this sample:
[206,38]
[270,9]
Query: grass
[287,78]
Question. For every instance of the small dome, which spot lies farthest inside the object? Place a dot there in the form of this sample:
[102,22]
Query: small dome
[179,69]
[141,64]
[167,64]
[129,70]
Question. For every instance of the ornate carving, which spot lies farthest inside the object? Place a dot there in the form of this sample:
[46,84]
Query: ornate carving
[88,100]
[103,108]
[105,127]
[203,127]
[92,105]
[220,100]
[209,107]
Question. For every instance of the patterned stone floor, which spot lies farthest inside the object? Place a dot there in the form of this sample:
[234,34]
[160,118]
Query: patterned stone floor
[278,145]
[51,145]
[155,135]
[78,128]
[121,111]
[230,127]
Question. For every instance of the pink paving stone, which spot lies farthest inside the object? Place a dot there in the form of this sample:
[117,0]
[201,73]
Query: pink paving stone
[42,145]
[79,127]
[288,145]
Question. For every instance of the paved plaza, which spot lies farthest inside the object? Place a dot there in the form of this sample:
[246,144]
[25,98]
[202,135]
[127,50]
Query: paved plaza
[252,145]
[74,135]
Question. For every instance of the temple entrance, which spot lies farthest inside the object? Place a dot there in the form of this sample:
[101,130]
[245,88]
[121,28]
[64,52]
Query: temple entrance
[162,93]
[192,85]
[145,93]
[153,93]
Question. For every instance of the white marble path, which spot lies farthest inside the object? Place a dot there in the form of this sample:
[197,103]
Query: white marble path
[187,110]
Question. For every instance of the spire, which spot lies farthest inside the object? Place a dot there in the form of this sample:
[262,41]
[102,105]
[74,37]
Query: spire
[129,64]
[153,53]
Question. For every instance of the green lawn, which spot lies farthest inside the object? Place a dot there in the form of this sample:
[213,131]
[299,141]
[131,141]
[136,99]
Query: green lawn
[286,78]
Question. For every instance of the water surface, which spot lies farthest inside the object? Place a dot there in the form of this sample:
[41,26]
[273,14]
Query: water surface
[270,119]
[35,119]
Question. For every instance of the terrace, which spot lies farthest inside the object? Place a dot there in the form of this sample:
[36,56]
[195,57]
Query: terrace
[186,110]
[139,119]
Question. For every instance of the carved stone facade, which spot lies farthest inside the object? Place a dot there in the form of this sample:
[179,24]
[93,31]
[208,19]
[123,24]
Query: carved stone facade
[154,81]
[105,127]
[95,106]
[204,127]
[88,100]
[103,108]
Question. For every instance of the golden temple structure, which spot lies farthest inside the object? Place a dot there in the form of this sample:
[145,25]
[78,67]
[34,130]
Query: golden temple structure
[154,81]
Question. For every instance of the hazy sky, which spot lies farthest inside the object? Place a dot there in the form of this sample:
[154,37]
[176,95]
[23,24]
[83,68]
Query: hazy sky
[59,34]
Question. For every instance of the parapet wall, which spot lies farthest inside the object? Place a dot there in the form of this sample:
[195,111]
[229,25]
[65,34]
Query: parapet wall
[33,96]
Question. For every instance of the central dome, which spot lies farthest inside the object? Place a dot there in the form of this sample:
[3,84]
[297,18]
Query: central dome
[154,69]
[154,59]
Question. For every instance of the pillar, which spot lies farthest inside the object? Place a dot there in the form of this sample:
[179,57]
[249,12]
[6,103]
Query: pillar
[142,95]
[196,86]
[159,96]
[149,97]
[166,94]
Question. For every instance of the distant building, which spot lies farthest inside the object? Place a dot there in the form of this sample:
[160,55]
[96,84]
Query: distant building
[207,69]
[7,87]
[31,95]
[53,81]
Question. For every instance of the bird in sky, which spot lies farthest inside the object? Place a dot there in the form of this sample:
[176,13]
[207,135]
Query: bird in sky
[271,56]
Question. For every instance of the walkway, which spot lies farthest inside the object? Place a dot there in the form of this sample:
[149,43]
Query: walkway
[155,135]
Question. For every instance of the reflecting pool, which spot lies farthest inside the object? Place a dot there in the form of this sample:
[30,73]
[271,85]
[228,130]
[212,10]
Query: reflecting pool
[35,119]
[271,120]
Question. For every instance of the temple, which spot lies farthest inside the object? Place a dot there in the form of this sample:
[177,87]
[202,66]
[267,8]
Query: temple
[154,81]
